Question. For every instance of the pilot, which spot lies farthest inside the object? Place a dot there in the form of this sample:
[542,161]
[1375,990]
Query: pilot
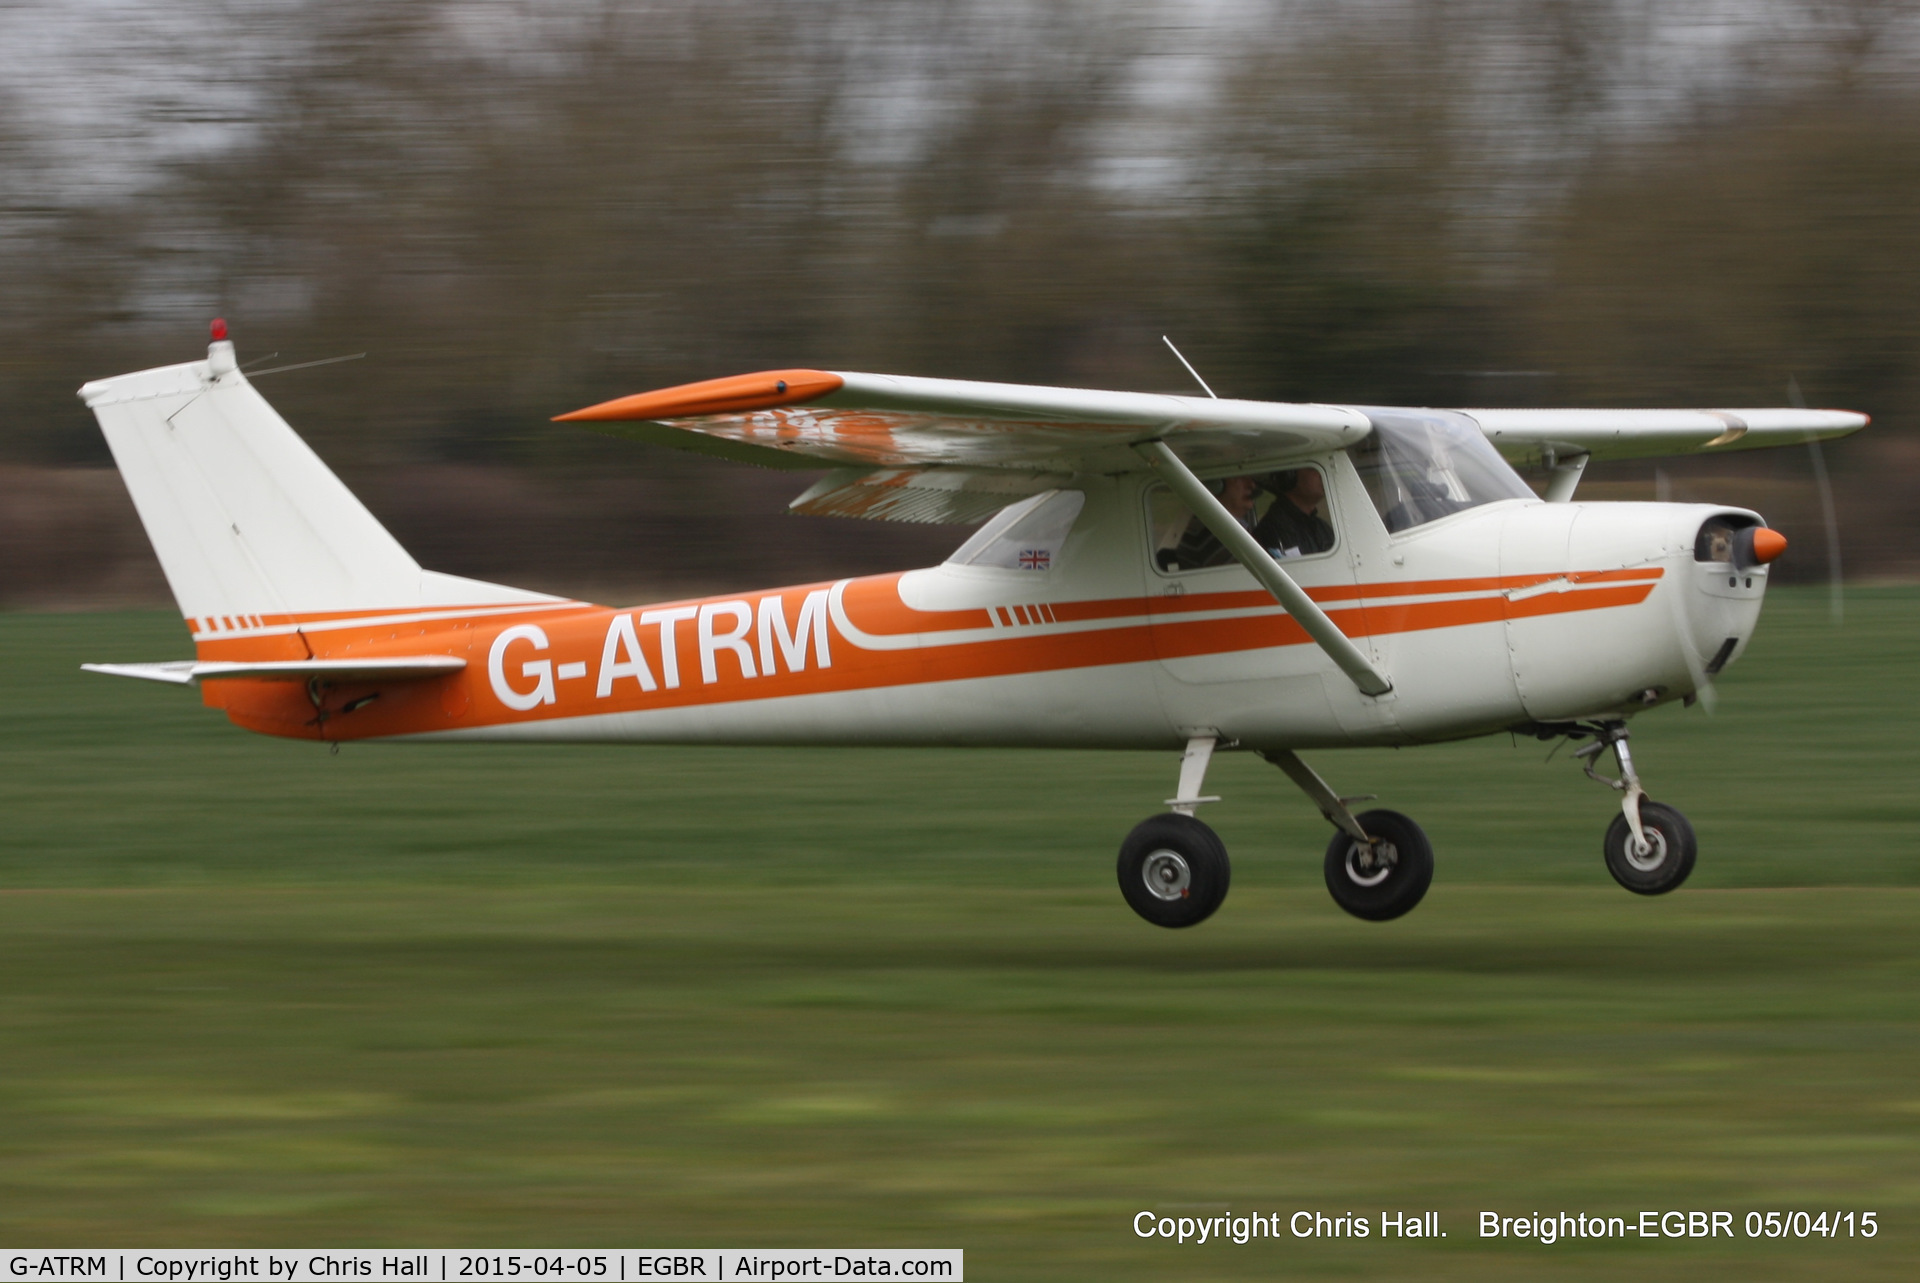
[1294,526]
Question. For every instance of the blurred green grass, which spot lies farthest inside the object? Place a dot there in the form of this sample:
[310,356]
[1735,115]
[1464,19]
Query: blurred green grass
[255,994]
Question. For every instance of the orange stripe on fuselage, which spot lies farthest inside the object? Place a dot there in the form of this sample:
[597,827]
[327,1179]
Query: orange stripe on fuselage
[1145,628]
[1193,603]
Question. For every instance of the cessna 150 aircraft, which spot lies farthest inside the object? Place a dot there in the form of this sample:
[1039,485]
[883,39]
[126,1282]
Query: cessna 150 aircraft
[1154,572]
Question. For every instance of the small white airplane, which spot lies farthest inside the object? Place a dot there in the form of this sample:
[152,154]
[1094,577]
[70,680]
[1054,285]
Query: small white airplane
[1154,572]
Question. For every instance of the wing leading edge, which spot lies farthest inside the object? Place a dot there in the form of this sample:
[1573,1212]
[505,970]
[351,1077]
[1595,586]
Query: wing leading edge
[1528,436]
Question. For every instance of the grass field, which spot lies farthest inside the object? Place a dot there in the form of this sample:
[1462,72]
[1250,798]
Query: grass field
[256,994]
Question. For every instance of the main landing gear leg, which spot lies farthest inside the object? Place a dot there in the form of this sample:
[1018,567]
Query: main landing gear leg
[1173,869]
[1650,847]
[1379,864]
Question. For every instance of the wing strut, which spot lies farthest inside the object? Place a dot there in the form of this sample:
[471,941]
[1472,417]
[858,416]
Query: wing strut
[1235,538]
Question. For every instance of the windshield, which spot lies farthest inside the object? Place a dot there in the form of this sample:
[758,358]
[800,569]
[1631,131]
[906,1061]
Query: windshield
[1421,465]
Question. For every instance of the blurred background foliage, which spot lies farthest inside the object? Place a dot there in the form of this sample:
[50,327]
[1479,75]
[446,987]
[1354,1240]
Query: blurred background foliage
[516,209]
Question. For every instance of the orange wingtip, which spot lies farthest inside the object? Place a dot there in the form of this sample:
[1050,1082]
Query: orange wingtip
[714,396]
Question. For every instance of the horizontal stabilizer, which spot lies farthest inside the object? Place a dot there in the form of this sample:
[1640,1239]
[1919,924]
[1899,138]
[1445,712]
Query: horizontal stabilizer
[177,671]
[181,672]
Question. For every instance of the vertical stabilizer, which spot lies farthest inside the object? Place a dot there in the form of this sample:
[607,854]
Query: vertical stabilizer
[245,518]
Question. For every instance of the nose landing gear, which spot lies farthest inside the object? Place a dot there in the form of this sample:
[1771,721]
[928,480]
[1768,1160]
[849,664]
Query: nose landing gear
[1650,847]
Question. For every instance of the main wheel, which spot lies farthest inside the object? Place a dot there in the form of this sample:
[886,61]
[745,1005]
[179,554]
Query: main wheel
[1384,879]
[1173,870]
[1668,858]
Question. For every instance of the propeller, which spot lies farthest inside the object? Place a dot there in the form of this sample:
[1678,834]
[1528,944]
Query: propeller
[1703,691]
[1836,605]
[1758,544]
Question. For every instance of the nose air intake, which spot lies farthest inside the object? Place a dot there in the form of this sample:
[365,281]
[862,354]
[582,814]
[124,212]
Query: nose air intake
[1738,538]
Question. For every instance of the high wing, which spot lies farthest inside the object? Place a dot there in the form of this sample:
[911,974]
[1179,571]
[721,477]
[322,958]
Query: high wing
[915,449]
[1533,436]
[919,449]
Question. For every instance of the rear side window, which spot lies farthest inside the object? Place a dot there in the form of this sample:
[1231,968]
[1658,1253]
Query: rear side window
[1024,536]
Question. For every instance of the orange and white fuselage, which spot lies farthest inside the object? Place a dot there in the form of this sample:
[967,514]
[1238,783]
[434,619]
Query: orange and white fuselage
[1575,615]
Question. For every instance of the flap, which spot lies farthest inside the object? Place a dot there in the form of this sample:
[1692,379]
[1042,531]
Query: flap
[931,495]
[676,437]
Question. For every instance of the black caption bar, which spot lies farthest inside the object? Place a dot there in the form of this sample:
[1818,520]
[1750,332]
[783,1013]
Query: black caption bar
[470,1265]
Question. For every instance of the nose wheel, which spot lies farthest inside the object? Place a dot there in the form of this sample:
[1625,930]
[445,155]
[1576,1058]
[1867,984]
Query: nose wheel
[1650,847]
[1660,859]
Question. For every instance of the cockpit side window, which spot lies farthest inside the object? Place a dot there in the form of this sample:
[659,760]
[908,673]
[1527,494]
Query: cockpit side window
[1285,511]
[1422,465]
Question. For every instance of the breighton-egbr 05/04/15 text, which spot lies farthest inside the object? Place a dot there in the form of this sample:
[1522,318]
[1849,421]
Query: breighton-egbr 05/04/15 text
[1544,1227]
[1550,1227]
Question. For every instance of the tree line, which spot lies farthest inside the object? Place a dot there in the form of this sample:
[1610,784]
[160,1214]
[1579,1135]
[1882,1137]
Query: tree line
[519,212]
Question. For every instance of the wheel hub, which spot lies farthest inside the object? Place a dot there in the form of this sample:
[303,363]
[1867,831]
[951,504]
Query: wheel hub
[1371,863]
[1167,875]
[1653,856]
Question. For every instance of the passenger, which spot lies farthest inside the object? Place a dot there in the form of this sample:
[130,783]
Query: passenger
[1197,547]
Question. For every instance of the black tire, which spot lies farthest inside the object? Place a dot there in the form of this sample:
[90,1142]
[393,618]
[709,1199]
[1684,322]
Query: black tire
[1383,891]
[1669,861]
[1173,870]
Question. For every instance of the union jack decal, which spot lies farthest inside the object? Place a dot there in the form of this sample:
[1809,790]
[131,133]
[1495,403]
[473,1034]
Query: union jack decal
[1035,559]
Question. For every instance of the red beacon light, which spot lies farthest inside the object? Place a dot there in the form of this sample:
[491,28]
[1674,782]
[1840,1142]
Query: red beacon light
[219,352]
